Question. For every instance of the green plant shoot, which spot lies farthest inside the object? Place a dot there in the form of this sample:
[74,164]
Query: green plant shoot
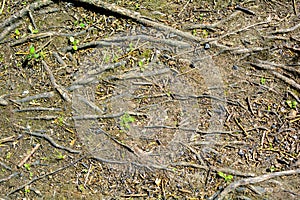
[126,119]
[74,43]
[262,80]
[292,104]
[225,176]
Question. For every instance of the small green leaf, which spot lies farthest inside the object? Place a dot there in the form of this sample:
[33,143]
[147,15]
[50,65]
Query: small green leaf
[262,80]
[75,48]
[125,120]
[294,104]
[82,25]
[81,188]
[35,31]
[221,174]
[36,55]
[272,169]
[194,32]
[226,177]
[8,155]
[291,104]
[17,32]
[141,63]
[31,50]
[27,166]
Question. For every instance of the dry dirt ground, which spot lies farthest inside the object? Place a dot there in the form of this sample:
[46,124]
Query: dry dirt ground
[149,99]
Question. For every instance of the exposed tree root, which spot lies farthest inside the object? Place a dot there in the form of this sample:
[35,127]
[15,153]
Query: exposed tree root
[247,181]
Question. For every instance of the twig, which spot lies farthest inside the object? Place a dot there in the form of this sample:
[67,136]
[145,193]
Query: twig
[8,139]
[91,117]
[33,37]
[278,75]
[236,50]
[134,195]
[249,105]
[219,143]
[32,20]
[87,175]
[109,161]
[285,30]
[294,95]
[215,169]
[59,88]
[24,11]
[5,166]
[245,10]
[47,117]
[194,152]
[239,30]
[49,10]
[211,26]
[115,42]
[59,59]
[287,80]
[294,49]
[34,97]
[232,171]
[241,127]
[139,18]
[253,180]
[29,155]
[9,177]
[195,130]
[295,7]
[45,175]
[37,109]
[4,33]
[273,65]
[51,141]
[2,7]
[184,7]
[118,142]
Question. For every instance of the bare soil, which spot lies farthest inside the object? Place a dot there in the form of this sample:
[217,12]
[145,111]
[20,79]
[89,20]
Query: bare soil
[158,100]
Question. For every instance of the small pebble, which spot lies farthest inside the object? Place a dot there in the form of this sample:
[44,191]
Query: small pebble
[3,102]
[25,92]
[241,152]
[206,46]
[235,67]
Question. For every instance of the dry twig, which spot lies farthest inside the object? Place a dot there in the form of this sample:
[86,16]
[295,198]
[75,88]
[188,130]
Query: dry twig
[289,81]
[37,109]
[29,155]
[62,91]
[253,180]
[45,175]
[51,141]
[9,177]
[34,97]
[139,18]
[17,16]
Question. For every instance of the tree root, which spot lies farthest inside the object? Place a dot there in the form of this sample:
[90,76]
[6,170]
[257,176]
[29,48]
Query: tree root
[246,181]
[45,175]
